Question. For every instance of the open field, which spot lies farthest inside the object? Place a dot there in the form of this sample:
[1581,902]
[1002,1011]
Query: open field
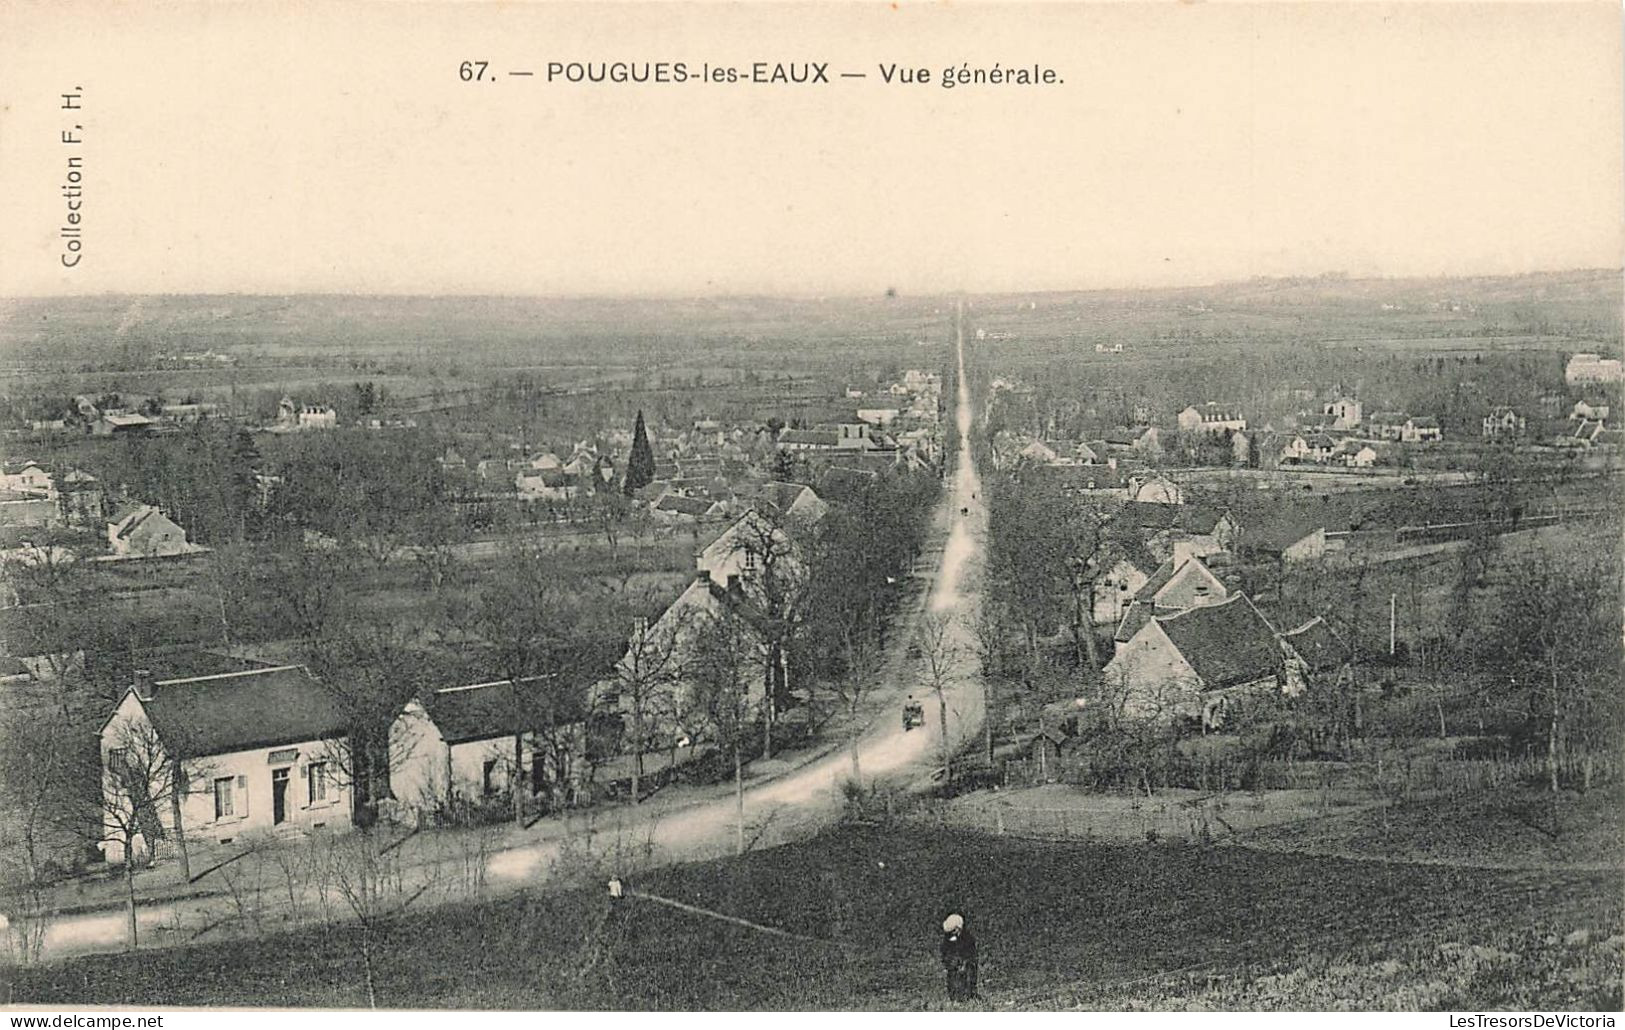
[1061,925]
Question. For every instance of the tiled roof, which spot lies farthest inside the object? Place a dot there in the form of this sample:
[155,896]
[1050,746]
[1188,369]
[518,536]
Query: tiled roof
[487,710]
[1228,643]
[236,711]
[1317,644]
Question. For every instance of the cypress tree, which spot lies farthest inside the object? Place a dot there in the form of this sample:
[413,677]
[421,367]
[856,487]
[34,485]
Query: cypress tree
[640,465]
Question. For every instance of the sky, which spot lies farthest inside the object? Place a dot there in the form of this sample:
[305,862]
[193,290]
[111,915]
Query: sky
[287,148]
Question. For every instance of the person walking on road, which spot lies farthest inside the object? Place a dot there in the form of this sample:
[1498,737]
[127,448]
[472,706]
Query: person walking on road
[959,958]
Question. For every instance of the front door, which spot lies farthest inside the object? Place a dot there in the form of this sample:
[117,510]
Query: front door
[279,795]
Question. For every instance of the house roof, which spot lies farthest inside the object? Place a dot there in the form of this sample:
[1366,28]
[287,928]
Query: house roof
[1191,518]
[810,437]
[236,711]
[681,505]
[1425,422]
[1281,529]
[1135,616]
[482,711]
[1227,644]
[1318,644]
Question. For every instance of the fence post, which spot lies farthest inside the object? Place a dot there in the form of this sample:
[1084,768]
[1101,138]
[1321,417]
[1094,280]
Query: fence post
[998,816]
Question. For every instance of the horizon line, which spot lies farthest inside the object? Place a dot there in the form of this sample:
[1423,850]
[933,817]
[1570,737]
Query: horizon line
[1331,276]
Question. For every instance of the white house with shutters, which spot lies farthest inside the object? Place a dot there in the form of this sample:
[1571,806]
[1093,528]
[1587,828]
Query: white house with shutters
[261,752]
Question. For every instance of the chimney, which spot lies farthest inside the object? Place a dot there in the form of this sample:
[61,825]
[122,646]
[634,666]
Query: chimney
[143,684]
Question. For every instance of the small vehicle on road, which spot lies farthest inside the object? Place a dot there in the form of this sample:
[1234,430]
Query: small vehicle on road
[913,714]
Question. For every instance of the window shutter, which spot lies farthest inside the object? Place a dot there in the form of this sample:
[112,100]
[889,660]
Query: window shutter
[242,782]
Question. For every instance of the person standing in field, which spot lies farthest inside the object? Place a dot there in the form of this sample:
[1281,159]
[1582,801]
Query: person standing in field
[959,958]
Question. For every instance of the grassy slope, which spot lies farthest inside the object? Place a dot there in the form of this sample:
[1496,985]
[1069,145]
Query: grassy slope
[1095,926]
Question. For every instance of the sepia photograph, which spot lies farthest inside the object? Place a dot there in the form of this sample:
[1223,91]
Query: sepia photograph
[814,506]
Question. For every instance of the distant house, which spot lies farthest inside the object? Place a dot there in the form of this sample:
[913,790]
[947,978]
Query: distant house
[1116,587]
[1361,455]
[1309,447]
[792,502]
[291,416]
[1212,418]
[1593,368]
[142,531]
[261,750]
[1195,530]
[1195,664]
[673,507]
[1287,536]
[544,461]
[27,477]
[808,439]
[82,498]
[1590,409]
[1155,489]
[878,416]
[464,744]
[1503,423]
[1344,412]
[1421,429]
[1040,452]
[550,485]
[1142,442]
[118,423]
[191,411]
[1387,425]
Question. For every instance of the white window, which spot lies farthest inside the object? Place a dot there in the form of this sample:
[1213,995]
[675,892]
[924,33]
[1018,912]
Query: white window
[223,788]
[317,774]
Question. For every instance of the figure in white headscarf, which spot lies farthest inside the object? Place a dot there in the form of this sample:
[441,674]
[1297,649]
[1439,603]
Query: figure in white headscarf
[959,958]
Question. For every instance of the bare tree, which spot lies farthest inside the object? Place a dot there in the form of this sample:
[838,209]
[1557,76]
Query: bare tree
[135,782]
[645,675]
[728,656]
[941,658]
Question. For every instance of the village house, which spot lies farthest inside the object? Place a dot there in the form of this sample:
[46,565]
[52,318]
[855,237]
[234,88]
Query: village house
[1117,587]
[549,485]
[291,416]
[142,531]
[675,508]
[1421,429]
[1590,409]
[1212,418]
[1195,664]
[188,412]
[1312,447]
[261,750]
[1344,412]
[1593,368]
[1503,423]
[1387,425]
[27,477]
[1196,530]
[1288,536]
[119,423]
[460,745]
[1182,582]
[1143,443]
[878,416]
[1362,454]
[1154,488]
